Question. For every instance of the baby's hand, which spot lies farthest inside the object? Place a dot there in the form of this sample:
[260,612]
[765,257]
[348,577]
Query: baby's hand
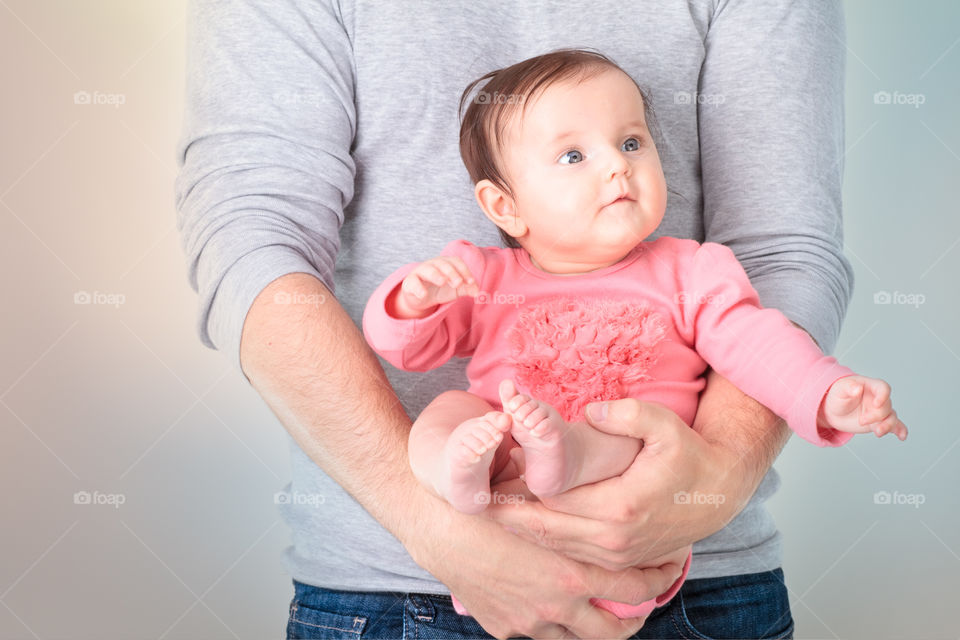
[436,281]
[857,404]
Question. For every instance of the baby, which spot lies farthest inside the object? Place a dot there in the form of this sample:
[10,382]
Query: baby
[580,308]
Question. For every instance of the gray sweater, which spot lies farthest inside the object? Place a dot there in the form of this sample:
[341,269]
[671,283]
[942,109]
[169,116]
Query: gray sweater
[321,137]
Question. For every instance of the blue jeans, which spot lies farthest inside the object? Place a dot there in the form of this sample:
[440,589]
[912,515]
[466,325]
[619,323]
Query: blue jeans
[752,605]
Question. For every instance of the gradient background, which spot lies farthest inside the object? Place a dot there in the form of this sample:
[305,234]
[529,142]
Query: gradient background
[122,399]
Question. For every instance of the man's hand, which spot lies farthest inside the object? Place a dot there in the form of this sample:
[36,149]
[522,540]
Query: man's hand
[673,494]
[685,484]
[542,594]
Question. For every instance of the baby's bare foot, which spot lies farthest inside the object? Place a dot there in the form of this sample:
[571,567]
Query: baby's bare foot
[467,455]
[546,440]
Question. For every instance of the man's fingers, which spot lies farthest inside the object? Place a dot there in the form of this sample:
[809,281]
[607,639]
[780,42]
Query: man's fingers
[537,523]
[589,621]
[583,541]
[551,631]
[591,501]
[634,585]
[630,417]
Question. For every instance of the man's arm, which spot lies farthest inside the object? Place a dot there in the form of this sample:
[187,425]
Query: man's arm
[755,436]
[752,435]
[301,359]
[771,154]
[313,368]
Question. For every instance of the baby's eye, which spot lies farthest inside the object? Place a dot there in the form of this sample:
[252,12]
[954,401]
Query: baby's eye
[571,157]
[630,144]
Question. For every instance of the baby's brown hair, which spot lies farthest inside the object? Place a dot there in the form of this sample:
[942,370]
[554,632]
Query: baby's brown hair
[503,97]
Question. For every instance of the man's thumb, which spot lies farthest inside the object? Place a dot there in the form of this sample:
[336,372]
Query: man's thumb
[598,411]
[629,417]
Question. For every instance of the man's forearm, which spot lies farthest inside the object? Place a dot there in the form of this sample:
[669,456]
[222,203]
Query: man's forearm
[306,357]
[752,433]
[755,435]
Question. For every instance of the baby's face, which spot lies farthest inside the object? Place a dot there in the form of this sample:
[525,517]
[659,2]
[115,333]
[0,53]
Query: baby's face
[586,175]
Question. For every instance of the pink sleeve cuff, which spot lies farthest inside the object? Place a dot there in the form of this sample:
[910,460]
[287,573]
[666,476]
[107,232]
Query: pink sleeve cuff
[802,416]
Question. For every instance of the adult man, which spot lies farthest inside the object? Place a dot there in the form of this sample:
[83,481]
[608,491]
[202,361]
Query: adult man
[315,130]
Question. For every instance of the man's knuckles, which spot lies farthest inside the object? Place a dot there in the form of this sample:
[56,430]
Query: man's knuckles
[628,413]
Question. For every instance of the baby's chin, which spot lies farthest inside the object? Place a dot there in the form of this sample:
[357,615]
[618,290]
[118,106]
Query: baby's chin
[629,233]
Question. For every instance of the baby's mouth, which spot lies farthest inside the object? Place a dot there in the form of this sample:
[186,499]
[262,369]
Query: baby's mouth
[623,197]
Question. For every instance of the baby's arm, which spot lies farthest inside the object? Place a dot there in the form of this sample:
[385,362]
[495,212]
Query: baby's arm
[420,316]
[857,404]
[431,283]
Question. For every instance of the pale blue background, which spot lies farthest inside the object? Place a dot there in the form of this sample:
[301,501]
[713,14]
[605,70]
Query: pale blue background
[858,569]
[124,400]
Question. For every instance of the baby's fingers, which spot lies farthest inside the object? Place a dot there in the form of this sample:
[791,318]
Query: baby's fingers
[900,430]
[876,402]
[462,269]
[845,396]
[426,273]
[891,424]
[880,391]
[451,277]
[459,277]
[413,284]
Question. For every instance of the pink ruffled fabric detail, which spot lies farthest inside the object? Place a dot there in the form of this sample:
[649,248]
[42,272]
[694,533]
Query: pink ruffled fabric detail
[569,353]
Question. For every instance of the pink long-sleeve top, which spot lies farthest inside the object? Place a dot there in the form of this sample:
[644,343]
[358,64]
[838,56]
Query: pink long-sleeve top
[646,327]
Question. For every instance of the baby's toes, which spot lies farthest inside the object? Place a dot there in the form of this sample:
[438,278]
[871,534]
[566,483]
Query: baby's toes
[491,436]
[520,410]
[537,420]
[464,454]
[499,422]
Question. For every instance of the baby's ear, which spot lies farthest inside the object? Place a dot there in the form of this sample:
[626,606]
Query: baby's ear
[499,206]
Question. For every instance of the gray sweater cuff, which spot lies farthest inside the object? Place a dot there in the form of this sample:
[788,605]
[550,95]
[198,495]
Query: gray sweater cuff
[240,286]
[806,300]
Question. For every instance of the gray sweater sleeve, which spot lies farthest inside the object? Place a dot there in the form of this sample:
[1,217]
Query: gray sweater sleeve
[771,142]
[265,165]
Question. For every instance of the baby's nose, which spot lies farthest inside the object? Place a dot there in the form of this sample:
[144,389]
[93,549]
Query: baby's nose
[618,165]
